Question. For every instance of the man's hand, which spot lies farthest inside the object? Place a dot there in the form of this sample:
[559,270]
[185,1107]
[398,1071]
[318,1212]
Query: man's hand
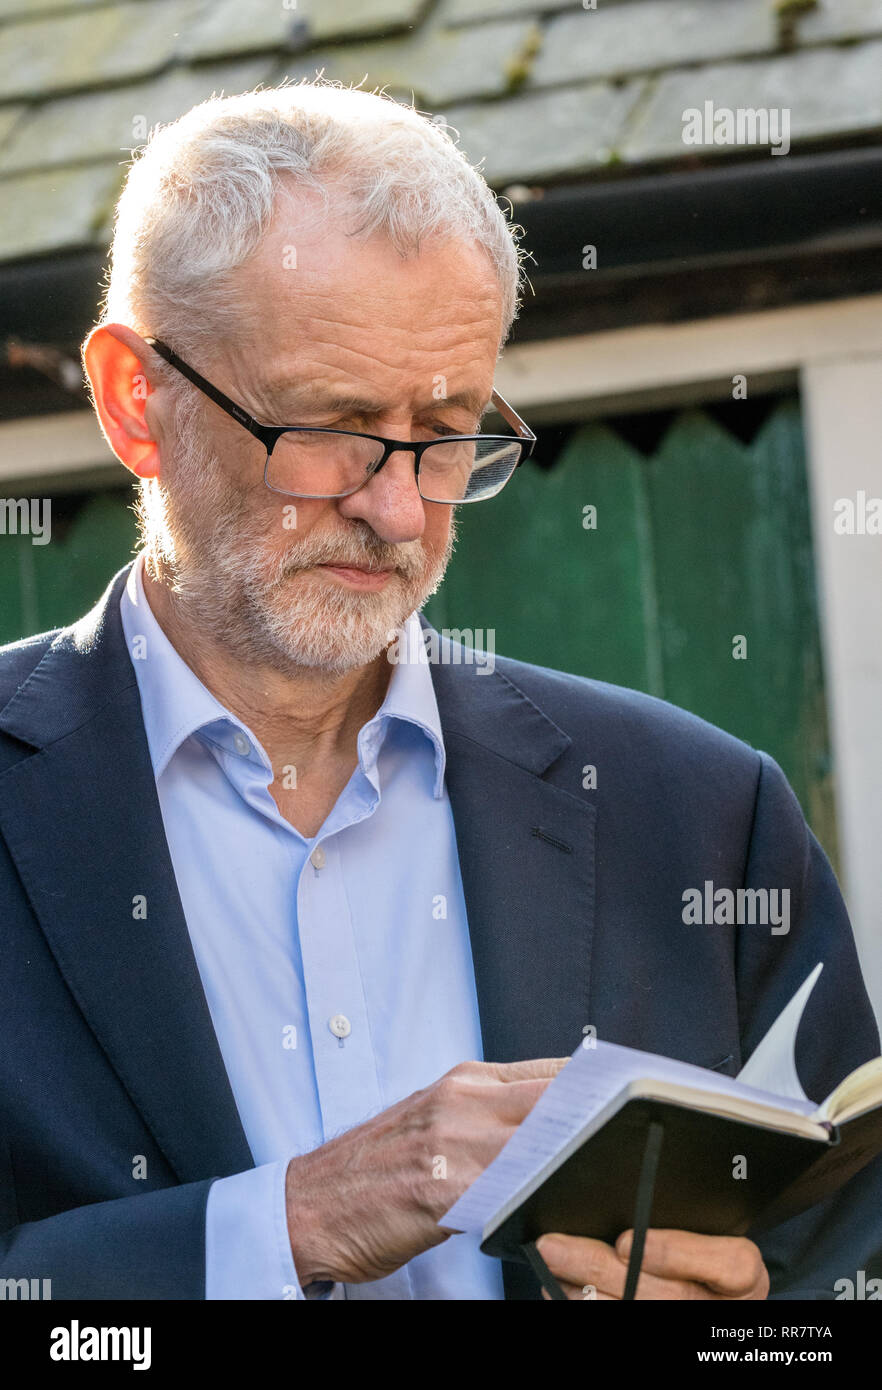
[676,1264]
[365,1203]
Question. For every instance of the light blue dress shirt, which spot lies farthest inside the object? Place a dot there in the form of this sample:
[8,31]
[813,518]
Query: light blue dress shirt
[337,970]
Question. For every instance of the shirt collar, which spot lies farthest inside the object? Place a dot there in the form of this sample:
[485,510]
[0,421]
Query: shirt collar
[175,704]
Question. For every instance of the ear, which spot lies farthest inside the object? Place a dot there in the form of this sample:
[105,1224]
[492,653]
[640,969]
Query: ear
[119,367]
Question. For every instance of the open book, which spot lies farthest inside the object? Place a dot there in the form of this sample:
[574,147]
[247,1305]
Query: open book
[737,1153]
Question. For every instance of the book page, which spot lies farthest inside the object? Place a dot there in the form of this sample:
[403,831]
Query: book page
[860,1091]
[589,1085]
[772,1064]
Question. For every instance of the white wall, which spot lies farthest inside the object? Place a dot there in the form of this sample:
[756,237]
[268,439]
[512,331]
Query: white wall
[843,406]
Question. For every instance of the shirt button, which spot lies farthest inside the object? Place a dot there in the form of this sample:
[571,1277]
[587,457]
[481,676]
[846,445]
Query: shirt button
[240,743]
[340,1026]
[317,858]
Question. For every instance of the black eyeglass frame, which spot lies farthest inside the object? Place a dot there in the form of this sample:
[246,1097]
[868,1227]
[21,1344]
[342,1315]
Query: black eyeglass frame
[269,435]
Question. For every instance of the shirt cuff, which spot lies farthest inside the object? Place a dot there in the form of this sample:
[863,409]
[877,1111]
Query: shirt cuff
[247,1249]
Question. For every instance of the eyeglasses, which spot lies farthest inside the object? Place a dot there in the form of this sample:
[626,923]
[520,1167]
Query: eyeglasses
[306,462]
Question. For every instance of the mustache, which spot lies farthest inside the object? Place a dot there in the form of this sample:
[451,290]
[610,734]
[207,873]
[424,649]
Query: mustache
[359,550]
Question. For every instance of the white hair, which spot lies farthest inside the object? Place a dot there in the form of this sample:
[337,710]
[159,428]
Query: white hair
[201,195]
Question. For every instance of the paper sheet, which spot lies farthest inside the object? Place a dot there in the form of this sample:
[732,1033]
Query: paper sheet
[772,1064]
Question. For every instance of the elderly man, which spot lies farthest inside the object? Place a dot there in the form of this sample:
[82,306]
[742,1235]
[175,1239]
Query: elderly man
[287,920]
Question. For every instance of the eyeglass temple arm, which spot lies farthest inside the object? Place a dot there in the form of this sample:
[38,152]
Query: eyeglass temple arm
[511,417]
[206,387]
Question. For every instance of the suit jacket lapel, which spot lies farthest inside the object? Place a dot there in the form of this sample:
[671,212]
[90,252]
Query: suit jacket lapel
[135,979]
[526,852]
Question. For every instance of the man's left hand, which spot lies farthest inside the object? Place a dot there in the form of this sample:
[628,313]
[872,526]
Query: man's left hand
[676,1264]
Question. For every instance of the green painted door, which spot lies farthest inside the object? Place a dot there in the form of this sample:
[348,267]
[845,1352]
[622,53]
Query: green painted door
[695,584]
[46,586]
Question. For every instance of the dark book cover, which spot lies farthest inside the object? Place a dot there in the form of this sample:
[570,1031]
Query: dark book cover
[716,1176]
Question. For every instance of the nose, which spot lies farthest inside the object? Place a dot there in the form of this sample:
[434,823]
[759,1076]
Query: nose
[390,503]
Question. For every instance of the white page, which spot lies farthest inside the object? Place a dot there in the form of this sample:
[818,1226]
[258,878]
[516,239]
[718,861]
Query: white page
[590,1081]
[772,1065]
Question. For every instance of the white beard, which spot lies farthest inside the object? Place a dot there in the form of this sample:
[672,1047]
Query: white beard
[276,610]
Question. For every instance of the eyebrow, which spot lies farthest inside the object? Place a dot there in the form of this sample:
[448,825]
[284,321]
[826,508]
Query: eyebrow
[306,397]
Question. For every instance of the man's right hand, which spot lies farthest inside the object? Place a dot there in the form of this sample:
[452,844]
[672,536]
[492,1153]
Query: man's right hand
[365,1203]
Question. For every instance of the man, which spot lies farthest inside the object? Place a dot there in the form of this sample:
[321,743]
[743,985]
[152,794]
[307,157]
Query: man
[295,934]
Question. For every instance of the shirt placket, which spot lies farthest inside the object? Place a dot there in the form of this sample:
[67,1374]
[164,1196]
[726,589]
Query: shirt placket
[343,1055]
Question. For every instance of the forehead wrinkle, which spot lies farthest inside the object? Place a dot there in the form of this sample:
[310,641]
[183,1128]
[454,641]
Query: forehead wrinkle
[329,335]
[420,320]
[282,393]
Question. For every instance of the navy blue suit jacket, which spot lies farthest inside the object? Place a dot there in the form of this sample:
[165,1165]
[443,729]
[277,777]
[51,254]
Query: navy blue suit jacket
[574,900]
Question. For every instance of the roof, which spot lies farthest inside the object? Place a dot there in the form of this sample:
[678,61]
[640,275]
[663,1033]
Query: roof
[542,91]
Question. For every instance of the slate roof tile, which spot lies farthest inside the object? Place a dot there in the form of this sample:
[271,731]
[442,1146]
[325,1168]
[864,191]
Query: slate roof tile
[236,26]
[57,210]
[544,135]
[828,92]
[455,65]
[616,40]
[10,117]
[840,19]
[37,9]
[476,11]
[109,124]
[90,47]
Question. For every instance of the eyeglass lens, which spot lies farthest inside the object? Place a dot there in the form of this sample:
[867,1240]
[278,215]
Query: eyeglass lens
[320,463]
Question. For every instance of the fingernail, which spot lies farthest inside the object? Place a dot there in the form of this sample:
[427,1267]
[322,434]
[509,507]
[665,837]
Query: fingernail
[623,1244]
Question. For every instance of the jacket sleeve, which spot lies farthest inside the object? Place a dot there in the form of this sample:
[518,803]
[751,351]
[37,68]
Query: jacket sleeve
[807,1255]
[147,1247]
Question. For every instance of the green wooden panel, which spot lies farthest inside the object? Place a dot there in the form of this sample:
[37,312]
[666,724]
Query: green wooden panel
[706,540]
[555,593]
[46,586]
[18,608]
[731,539]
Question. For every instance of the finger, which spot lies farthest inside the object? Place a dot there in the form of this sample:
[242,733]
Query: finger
[491,1109]
[727,1265]
[580,1260]
[514,1101]
[534,1068]
[484,1120]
